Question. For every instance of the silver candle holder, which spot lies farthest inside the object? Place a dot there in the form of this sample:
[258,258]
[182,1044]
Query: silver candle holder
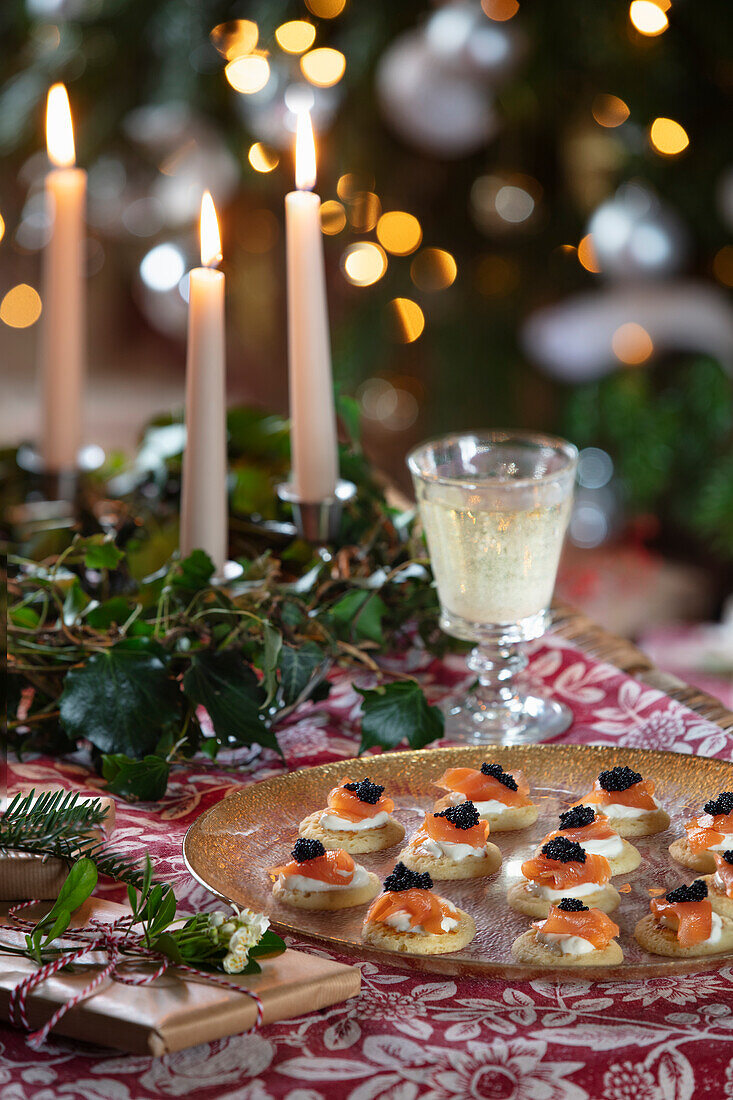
[318,521]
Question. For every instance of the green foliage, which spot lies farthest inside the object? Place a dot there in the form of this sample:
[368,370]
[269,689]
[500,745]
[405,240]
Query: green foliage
[398,713]
[136,780]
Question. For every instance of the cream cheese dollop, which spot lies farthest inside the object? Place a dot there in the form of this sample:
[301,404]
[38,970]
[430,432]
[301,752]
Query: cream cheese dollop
[340,824]
[563,944]
[307,885]
[536,890]
[455,852]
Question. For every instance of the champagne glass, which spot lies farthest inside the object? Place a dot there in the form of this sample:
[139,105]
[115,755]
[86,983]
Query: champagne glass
[495,506]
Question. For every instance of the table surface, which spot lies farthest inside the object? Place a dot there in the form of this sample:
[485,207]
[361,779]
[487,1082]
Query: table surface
[412,1036]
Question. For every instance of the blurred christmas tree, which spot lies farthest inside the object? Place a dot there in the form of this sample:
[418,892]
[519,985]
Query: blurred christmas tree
[511,194]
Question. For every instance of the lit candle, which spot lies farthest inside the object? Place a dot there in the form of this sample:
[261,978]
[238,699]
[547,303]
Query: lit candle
[204,523]
[312,413]
[62,335]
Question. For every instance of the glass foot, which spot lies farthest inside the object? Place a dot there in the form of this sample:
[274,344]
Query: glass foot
[522,720]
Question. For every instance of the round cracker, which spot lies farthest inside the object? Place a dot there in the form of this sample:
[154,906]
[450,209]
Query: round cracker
[663,941]
[381,935]
[628,861]
[443,867]
[519,817]
[681,852]
[655,822]
[605,898]
[328,899]
[527,950]
[358,842]
[721,903]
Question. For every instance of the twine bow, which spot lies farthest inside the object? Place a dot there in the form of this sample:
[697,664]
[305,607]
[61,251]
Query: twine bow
[96,936]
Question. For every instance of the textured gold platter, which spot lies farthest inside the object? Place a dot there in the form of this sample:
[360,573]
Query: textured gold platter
[230,846]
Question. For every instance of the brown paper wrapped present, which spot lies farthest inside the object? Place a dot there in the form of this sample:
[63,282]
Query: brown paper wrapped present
[24,875]
[175,1011]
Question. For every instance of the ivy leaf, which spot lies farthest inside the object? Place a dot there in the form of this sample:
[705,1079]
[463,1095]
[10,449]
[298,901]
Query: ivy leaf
[136,780]
[398,712]
[360,614]
[273,644]
[117,610]
[194,572]
[232,695]
[100,552]
[24,617]
[121,699]
[75,602]
[297,667]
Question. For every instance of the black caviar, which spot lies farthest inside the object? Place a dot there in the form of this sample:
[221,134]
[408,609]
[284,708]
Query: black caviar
[619,779]
[577,818]
[728,856]
[402,878]
[572,905]
[365,791]
[505,778]
[305,849]
[723,804]
[696,891]
[463,816]
[563,850]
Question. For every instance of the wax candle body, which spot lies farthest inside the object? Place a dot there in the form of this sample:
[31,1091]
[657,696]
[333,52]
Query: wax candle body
[204,523]
[62,352]
[313,416]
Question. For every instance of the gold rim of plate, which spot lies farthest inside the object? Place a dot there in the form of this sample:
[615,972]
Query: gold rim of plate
[228,848]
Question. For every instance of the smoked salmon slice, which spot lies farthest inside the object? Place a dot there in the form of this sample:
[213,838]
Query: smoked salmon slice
[438,827]
[687,911]
[568,871]
[596,829]
[334,868]
[359,801]
[589,924]
[423,907]
[491,784]
[725,870]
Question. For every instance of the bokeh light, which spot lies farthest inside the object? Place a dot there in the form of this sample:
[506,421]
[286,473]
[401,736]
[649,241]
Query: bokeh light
[263,158]
[668,137]
[248,74]
[587,254]
[351,183]
[408,320]
[297,36]
[363,263]
[236,38]
[609,110]
[333,217]
[632,344]
[162,267]
[394,406]
[364,211]
[500,10]
[2,227]
[433,269]
[326,9]
[723,265]
[399,232]
[647,17]
[21,306]
[323,67]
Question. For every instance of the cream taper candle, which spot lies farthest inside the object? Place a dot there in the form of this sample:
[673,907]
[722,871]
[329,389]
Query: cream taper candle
[312,412]
[62,351]
[204,522]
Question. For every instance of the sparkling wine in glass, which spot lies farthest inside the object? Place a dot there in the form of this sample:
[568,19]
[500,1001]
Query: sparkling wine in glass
[495,507]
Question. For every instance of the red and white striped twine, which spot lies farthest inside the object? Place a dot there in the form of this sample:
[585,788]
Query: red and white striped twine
[96,937]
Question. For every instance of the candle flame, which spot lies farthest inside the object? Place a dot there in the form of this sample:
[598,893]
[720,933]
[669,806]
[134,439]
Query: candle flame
[305,153]
[59,130]
[209,229]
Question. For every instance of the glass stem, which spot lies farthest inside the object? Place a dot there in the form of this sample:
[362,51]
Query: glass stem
[496,666]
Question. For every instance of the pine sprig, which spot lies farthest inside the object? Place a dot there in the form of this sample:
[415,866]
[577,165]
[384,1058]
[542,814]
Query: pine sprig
[62,824]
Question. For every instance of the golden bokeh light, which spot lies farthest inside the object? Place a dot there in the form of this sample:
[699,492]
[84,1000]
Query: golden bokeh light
[399,232]
[648,17]
[263,158]
[2,227]
[353,182]
[609,110]
[497,276]
[364,211]
[323,67]
[723,265]
[668,137]
[587,255]
[21,306]
[632,344]
[433,269]
[248,74]
[326,9]
[297,36]
[408,320]
[236,38]
[500,10]
[333,217]
[364,263]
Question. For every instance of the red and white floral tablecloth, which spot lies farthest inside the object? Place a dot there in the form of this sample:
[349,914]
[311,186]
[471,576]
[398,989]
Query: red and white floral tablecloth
[407,1037]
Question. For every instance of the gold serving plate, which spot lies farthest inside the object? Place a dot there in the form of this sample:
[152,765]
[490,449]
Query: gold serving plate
[229,848]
